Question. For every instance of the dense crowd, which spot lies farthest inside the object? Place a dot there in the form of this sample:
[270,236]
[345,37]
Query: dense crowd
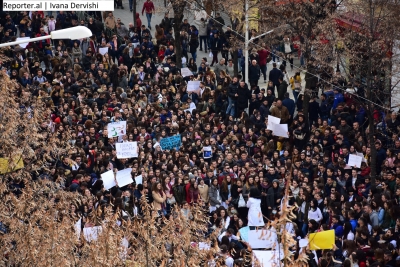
[242,183]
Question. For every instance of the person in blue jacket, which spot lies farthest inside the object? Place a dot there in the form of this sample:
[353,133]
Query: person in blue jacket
[338,97]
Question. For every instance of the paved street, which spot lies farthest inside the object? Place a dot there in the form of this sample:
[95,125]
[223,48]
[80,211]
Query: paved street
[126,16]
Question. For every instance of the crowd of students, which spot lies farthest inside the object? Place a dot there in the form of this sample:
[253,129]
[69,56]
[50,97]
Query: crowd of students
[241,183]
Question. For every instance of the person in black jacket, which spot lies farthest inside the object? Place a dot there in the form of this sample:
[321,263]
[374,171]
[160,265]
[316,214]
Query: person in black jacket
[232,97]
[274,75]
[216,46]
[254,73]
[244,95]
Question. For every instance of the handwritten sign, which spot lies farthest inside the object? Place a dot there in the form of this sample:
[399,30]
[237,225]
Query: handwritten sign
[116,129]
[171,142]
[193,86]
[126,150]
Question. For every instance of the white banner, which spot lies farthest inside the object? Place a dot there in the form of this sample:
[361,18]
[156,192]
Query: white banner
[47,5]
[126,150]
[272,119]
[116,129]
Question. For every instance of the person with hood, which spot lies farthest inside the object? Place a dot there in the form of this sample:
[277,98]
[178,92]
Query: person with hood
[255,216]
[273,197]
[160,37]
[282,89]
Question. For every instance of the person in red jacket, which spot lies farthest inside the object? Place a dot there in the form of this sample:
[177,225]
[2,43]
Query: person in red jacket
[149,7]
[263,55]
[138,21]
[42,43]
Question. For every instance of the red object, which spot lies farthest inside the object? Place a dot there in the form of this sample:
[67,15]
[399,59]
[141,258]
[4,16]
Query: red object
[40,42]
[148,6]
[57,120]
[263,54]
[138,21]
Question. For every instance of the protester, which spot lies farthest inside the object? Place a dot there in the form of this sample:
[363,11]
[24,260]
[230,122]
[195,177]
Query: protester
[225,151]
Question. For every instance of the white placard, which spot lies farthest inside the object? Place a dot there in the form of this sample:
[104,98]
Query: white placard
[279,129]
[92,233]
[362,156]
[124,177]
[186,72]
[126,150]
[139,179]
[116,129]
[207,152]
[193,86]
[269,258]
[204,246]
[272,119]
[354,160]
[103,50]
[23,45]
[108,179]
[78,228]
[263,239]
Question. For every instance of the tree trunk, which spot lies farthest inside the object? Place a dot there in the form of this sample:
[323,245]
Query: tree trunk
[179,7]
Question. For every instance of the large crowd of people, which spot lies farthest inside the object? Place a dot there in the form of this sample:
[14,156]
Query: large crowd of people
[242,182]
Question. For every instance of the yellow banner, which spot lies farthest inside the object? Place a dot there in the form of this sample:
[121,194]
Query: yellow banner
[322,240]
[7,166]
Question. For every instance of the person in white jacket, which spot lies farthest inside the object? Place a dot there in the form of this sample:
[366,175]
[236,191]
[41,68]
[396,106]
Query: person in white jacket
[255,216]
[314,212]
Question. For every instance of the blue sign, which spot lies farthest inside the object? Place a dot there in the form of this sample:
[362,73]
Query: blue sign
[171,142]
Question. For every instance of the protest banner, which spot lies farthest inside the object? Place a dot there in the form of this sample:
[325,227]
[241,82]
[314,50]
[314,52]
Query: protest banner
[126,150]
[116,129]
[322,240]
[186,72]
[7,165]
[193,86]
[171,142]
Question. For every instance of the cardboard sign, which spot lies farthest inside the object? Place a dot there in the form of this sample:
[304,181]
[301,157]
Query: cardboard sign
[126,150]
